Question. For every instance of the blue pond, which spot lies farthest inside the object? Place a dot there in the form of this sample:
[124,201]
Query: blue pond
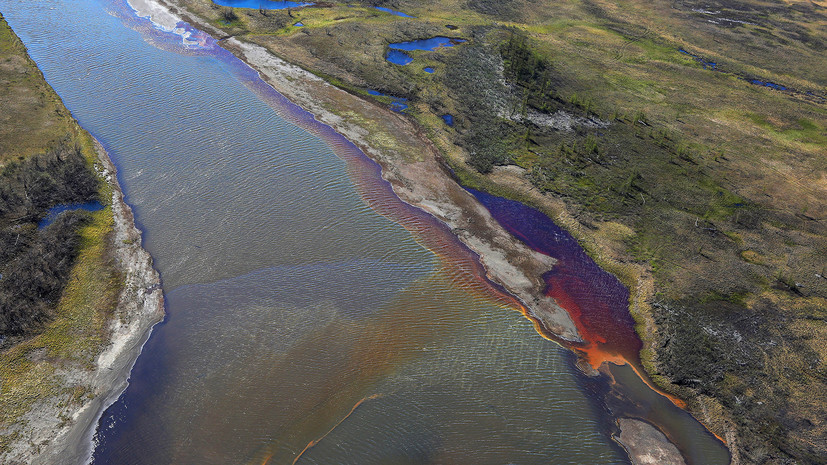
[427,44]
[449,119]
[393,12]
[706,64]
[265,4]
[299,24]
[397,103]
[428,69]
[52,213]
[772,85]
[400,58]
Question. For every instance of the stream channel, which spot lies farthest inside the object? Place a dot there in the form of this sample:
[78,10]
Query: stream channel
[304,301]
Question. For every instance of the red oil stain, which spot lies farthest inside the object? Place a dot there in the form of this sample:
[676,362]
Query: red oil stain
[596,300]
[314,442]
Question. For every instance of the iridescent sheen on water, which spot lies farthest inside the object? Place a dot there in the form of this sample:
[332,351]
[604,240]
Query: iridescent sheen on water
[311,314]
[597,301]
[599,305]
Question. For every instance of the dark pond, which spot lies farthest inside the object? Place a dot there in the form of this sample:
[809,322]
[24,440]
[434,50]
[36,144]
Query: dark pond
[264,4]
[772,85]
[393,12]
[449,119]
[54,212]
[398,57]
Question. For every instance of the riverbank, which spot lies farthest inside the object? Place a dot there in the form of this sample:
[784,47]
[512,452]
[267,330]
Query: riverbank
[414,167]
[140,307]
[54,431]
[56,381]
[699,189]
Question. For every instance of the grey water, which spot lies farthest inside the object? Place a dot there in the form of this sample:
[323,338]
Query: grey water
[301,324]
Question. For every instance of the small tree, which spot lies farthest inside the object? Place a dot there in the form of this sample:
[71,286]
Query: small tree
[229,15]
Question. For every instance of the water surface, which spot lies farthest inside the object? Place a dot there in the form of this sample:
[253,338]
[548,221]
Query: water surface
[397,56]
[393,12]
[305,303]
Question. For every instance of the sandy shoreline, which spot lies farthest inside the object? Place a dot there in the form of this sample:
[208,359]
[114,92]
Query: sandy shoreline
[424,183]
[45,438]
[140,307]
[420,182]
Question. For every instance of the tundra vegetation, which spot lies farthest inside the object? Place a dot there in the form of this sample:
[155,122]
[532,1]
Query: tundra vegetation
[58,284]
[687,140]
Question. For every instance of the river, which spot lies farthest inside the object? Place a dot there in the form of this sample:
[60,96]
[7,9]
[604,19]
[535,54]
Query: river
[311,315]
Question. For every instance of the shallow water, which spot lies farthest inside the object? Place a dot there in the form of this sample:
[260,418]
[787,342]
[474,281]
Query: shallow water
[599,305]
[305,302]
[398,104]
[426,44]
[398,58]
[393,12]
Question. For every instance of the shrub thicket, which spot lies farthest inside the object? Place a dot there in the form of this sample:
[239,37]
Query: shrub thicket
[35,263]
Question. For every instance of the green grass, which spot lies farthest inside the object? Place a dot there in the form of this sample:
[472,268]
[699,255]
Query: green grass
[33,117]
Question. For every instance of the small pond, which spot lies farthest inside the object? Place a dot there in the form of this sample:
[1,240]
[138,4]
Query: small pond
[706,64]
[398,57]
[769,84]
[449,119]
[54,212]
[260,4]
[397,104]
[393,12]
[714,67]
[428,69]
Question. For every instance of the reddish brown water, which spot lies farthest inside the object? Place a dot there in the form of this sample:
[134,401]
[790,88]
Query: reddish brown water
[596,300]
[312,316]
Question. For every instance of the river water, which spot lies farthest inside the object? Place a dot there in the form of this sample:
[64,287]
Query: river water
[311,316]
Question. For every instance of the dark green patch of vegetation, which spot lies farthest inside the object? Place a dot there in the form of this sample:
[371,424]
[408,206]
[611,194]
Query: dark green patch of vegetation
[724,350]
[503,9]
